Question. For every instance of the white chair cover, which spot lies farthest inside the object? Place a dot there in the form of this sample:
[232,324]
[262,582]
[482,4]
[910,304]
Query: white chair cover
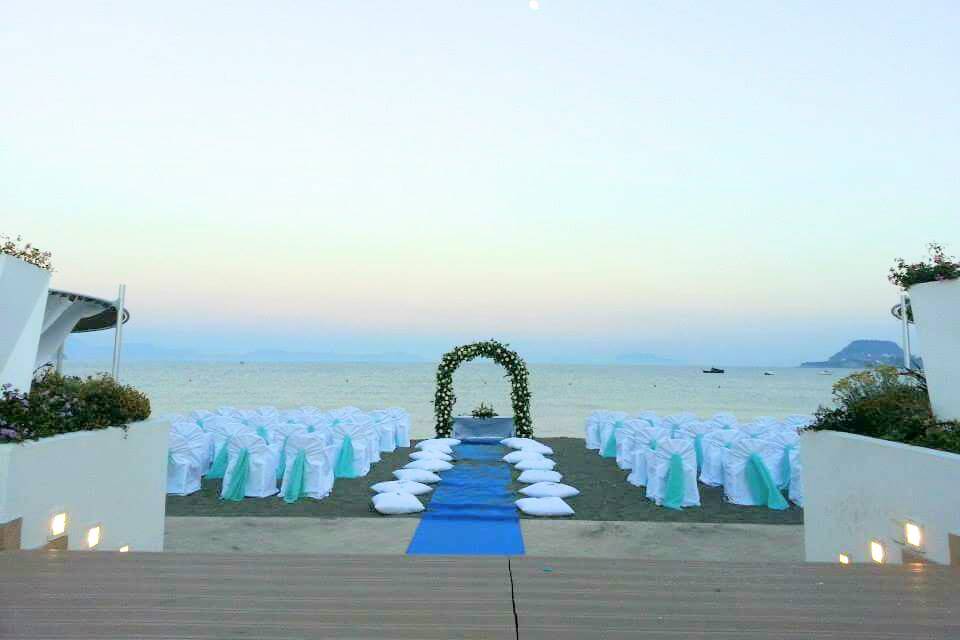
[756,429]
[677,420]
[200,415]
[183,465]
[672,474]
[386,425]
[626,441]
[229,412]
[597,423]
[783,442]
[402,426]
[697,431]
[252,470]
[724,419]
[747,479]
[647,439]
[795,492]
[308,471]
[716,446]
[360,436]
[200,441]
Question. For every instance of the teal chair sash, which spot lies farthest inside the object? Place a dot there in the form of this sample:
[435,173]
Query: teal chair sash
[220,462]
[344,468]
[262,432]
[295,479]
[698,447]
[282,464]
[238,480]
[761,485]
[610,446]
[675,487]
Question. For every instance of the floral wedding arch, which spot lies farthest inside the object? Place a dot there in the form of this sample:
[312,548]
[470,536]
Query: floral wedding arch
[516,370]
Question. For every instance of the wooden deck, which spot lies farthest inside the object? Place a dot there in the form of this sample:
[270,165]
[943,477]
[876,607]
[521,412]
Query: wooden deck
[72,595]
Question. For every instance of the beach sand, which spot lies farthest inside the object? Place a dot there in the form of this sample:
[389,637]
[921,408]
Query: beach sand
[604,496]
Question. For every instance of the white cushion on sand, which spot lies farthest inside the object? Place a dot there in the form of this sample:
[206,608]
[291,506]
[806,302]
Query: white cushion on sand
[544,507]
[430,453]
[526,443]
[535,463]
[432,442]
[550,490]
[416,475]
[428,445]
[429,464]
[516,456]
[402,486]
[539,475]
[396,503]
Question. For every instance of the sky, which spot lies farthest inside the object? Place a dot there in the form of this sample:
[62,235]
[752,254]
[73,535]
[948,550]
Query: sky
[716,183]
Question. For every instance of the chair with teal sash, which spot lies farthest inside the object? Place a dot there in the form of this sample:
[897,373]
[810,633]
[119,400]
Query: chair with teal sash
[698,431]
[402,422]
[598,426]
[725,419]
[222,429]
[252,467]
[308,472]
[747,479]
[646,441]
[672,474]
[782,442]
[353,457]
[183,463]
[716,448]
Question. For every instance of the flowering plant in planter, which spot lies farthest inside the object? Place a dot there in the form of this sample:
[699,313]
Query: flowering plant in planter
[59,404]
[26,252]
[939,267]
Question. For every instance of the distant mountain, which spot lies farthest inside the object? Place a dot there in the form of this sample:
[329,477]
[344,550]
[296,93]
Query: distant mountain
[863,354]
[79,350]
[643,358]
[265,355]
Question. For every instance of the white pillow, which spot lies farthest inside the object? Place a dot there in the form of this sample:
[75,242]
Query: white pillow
[437,442]
[516,456]
[550,490]
[416,475]
[535,463]
[428,445]
[543,506]
[539,475]
[430,453]
[452,442]
[402,486]
[527,444]
[429,464]
[396,503]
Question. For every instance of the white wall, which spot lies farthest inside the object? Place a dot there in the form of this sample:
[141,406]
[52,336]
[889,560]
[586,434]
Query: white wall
[23,300]
[858,489]
[106,477]
[936,311]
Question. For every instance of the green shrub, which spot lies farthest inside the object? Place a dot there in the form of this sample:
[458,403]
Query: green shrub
[883,403]
[484,412]
[58,404]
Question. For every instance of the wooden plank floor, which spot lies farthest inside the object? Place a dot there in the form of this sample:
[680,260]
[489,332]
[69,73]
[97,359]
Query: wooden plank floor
[583,598]
[74,595]
[161,595]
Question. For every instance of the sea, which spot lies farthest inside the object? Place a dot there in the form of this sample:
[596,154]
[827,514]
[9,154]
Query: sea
[562,395]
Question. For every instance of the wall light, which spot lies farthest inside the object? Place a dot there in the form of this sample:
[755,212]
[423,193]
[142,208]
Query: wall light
[914,534]
[58,524]
[877,552]
[843,558]
[534,5]
[125,548]
[93,536]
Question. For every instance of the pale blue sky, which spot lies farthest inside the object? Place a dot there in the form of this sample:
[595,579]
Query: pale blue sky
[716,182]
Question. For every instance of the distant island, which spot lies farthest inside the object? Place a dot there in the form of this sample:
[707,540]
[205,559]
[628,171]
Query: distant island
[863,354]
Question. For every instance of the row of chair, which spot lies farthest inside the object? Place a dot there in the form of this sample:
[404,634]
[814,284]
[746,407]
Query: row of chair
[260,453]
[754,462]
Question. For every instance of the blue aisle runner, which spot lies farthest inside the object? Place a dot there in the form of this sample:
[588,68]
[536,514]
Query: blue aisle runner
[472,511]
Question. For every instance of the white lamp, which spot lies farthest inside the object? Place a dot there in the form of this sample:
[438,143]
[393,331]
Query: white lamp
[913,534]
[124,549]
[843,558]
[877,552]
[58,524]
[93,536]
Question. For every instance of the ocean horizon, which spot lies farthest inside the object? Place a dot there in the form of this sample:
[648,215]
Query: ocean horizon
[563,395]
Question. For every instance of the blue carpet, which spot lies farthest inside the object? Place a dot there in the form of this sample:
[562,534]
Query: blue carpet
[472,511]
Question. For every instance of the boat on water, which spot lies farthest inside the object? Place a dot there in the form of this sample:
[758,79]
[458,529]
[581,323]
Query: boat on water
[769,373]
[826,372]
[713,370]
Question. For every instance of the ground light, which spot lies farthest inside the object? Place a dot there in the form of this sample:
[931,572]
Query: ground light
[93,536]
[58,524]
[913,534]
[843,558]
[124,549]
[877,552]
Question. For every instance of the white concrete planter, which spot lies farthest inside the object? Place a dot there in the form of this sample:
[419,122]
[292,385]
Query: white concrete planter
[859,489]
[23,300]
[109,477]
[936,312]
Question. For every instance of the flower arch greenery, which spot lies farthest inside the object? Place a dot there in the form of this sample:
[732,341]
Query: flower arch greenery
[498,352]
